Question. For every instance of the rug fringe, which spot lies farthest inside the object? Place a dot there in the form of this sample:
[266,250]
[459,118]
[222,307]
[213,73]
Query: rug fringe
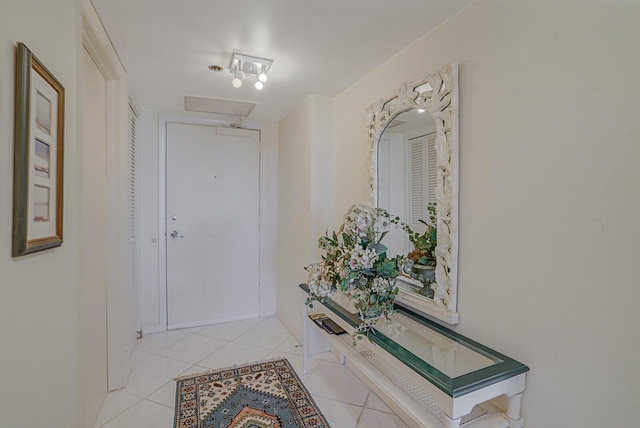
[235,366]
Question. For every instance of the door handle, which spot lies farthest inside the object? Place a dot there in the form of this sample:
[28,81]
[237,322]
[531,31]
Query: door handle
[175,234]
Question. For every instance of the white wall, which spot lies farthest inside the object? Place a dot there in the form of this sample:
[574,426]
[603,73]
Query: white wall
[305,204]
[549,192]
[40,313]
[150,288]
[321,168]
[269,135]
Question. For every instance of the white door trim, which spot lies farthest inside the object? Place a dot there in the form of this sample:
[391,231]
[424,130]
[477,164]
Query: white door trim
[162,208]
[120,330]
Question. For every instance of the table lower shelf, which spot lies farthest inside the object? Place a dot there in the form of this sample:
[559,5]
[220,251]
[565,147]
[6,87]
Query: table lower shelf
[410,402]
[395,386]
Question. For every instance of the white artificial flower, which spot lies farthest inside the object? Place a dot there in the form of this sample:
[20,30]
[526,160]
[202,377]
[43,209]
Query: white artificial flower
[360,221]
[321,288]
[380,285]
[362,259]
[318,283]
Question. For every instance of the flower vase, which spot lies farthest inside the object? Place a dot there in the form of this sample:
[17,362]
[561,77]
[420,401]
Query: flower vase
[426,274]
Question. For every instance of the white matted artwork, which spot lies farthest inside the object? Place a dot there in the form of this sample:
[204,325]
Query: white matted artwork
[38,157]
[43,113]
[42,159]
[41,202]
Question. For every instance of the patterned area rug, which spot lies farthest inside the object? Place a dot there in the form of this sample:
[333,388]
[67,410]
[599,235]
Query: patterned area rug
[261,395]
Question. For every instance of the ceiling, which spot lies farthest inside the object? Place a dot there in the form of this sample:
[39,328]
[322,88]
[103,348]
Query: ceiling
[317,46]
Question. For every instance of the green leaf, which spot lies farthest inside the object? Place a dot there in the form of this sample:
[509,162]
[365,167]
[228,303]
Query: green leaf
[379,248]
[386,269]
[368,272]
[346,239]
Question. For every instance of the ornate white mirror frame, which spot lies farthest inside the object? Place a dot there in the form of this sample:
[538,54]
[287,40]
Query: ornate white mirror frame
[437,93]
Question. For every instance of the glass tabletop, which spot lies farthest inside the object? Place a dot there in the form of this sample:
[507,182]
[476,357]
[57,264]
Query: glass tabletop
[451,357]
[446,354]
[454,363]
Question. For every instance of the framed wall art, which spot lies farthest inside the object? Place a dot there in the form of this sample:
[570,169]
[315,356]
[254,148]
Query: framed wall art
[38,156]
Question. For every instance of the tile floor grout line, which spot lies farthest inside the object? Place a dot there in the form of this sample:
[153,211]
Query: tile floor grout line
[160,404]
[361,412]
[282,343]
[121,412]
[207,356]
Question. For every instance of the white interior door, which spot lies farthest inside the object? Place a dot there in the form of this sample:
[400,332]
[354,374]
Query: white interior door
[212,229]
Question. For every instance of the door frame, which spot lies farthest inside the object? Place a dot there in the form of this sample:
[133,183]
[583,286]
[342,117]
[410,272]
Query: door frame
[163,120]
[120,329]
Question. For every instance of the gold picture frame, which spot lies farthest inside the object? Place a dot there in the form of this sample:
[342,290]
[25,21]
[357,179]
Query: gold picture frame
[38,160]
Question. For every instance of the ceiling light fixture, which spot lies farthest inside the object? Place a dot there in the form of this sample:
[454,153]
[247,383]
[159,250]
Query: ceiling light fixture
[262,76]
[238,78]
[245,65]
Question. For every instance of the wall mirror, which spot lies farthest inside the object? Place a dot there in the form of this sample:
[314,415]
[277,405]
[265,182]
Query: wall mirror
[413,137]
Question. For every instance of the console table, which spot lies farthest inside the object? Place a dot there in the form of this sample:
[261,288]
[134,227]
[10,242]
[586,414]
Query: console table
[427,374]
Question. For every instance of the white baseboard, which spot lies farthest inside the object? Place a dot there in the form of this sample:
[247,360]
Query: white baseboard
[210,322]
[153,328]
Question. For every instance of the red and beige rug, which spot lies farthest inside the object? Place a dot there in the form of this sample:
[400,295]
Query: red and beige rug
[261,395]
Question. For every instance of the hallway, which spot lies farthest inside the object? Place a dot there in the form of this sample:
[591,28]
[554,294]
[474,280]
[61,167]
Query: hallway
[148,399]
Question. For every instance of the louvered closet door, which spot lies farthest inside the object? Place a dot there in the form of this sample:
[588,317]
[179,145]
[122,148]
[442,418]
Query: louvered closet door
[132,226]
[422,178]
[133,221]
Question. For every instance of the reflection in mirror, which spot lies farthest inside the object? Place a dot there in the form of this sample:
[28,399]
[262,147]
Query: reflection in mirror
[407,174]
[413,139]
[406,188]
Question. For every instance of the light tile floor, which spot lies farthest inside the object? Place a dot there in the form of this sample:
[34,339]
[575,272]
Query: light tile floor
[148,399]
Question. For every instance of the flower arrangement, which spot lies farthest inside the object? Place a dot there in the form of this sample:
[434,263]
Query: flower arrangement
[355,262]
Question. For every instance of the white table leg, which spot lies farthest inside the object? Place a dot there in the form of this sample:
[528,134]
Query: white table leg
[513,406]
[305,339]
[513,411]
[341,359]
[451,423]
